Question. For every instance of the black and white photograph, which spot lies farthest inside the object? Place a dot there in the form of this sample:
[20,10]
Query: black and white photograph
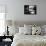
[22,22]
[30,9]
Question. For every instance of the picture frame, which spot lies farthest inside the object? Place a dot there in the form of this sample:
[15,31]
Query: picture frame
[30,9]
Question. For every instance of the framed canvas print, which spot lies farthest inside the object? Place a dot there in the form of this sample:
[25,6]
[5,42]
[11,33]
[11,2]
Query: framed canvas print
[30,9]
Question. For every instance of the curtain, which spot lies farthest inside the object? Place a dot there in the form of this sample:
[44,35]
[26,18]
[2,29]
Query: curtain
[2,19]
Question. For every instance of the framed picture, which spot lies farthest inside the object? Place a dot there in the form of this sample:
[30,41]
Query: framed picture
[30,9]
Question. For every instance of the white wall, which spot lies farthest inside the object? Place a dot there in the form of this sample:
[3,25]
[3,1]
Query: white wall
[15,9]
[41,10]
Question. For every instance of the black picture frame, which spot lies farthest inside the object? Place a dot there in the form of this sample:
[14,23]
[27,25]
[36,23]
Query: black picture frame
[30,9]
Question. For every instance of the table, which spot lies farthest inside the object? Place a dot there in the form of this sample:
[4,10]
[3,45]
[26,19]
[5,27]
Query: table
[5,43]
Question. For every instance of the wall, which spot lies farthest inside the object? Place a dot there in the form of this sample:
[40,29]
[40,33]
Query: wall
[41,12]
[15,9]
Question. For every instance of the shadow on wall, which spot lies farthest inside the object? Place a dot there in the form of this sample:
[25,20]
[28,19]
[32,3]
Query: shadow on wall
[21,23]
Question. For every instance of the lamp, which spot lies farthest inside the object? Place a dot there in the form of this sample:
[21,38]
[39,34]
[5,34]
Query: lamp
[8,23]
